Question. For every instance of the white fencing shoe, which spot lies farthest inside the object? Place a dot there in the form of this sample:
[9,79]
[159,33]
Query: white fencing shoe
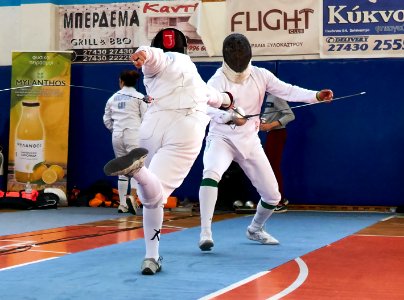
[262,237]
[206,241]
[122,209]
[150,266]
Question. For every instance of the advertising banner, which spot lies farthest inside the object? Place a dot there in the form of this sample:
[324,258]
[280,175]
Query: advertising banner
[39,120]
[362,28]
[162,14]
[100,32]
[284,27]
[112,32]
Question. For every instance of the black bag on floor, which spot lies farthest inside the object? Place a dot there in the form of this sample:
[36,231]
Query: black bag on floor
[25,201]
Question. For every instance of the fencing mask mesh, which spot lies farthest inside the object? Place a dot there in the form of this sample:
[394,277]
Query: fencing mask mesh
[237,52]
[170,39]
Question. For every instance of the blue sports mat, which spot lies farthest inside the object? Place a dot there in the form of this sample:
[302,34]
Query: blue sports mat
[112,272]
[32,220]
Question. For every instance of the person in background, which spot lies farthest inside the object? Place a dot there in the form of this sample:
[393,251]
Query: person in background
[123,115]
[171,133]
[276,116]
[239,141]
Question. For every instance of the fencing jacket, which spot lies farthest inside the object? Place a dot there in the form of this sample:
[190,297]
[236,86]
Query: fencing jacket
[250,95]
[172,79]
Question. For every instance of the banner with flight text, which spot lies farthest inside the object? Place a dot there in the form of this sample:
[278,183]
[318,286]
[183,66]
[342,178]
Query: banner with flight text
[283,27]
[362,29]
[39,120]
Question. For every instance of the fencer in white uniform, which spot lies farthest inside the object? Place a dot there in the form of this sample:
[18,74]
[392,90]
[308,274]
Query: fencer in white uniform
[122,116]
[226,143]
[171,133]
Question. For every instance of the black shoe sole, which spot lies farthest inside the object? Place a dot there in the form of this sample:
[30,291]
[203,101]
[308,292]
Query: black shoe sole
[122,164]
[148,271]
[207,246]
[283,210]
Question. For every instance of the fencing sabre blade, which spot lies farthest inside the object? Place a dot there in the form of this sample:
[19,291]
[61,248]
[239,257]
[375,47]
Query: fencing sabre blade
[19,87]
[307,104]
[146,98]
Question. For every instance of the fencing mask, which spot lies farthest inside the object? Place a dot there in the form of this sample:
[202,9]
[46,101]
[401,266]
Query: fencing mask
[170,39]
[237,52]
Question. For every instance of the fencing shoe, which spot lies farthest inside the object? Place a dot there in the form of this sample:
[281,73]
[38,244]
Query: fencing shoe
[122,209]
[280,208]
[132,205]
[261,236]
[128,164]
[150,266]
[206,241]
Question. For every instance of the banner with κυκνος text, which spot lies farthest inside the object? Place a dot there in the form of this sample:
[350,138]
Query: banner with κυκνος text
[362,29]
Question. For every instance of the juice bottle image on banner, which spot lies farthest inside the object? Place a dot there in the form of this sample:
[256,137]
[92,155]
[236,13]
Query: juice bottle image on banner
[29,141]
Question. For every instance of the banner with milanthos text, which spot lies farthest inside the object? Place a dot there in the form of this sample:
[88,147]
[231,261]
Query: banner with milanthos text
[39,120]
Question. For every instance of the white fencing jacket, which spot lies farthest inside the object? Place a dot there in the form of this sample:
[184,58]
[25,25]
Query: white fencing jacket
[250,95]
[172,79]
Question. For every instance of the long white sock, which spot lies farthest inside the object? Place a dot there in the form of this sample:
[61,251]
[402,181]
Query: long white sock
[150,194]
[122,189]
[261,216]
[152,223]
[207,202]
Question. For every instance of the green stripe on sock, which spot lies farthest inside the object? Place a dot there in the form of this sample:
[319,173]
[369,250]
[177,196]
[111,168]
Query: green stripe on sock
[209,182]
[266,205]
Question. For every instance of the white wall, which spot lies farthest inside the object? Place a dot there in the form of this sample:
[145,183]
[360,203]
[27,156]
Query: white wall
[29,27]
[9,32]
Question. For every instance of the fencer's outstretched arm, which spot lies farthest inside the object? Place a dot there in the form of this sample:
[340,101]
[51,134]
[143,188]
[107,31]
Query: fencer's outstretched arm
[151,60]
[293,93]
[154,60]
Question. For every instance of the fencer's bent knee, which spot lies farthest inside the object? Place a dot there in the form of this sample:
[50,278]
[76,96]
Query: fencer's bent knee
[152,203]
[212,175]
[272,202]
